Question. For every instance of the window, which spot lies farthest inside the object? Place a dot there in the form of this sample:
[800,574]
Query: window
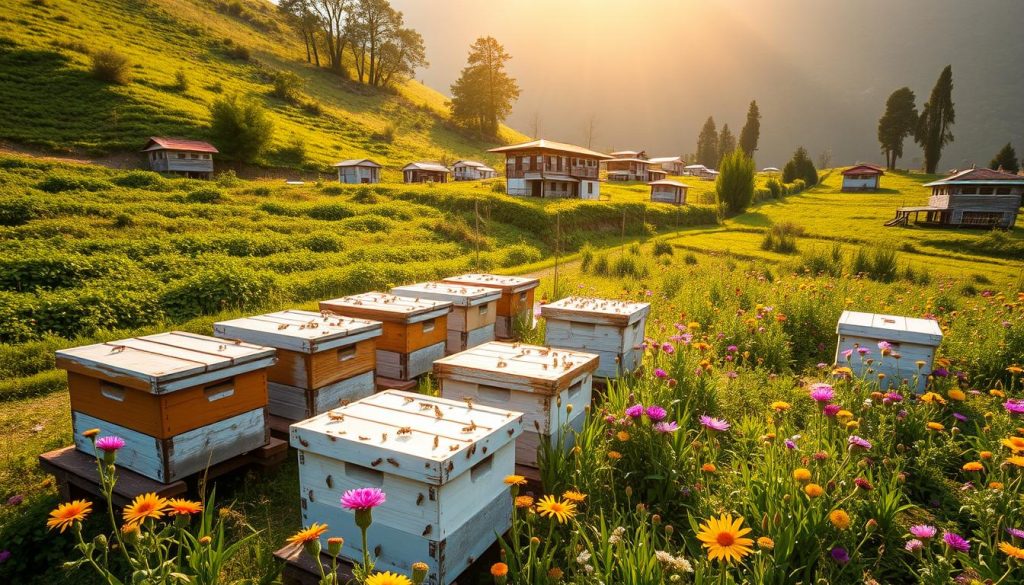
[969,191]
[1002,191]
[181,155]
[981,218]
[590,188]
[206,157]
[984,190]
[195,155]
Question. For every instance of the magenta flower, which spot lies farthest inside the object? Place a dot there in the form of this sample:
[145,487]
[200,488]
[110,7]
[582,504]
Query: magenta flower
[668,348]
[790,444]
[660,373]
[884,346]
[923,531]
[956,542]
[863,351]
[732,349]
[635,411]
[821,392]
[863,484]
[831,410]
[960,417]
[1015,532]
[856,442]
[110,444]
[913,545]
[15,500]
[840,555]
[362,499]
[1014,406]
[894,397]
[847,353]
[656,413]
[666,427]
[715,424]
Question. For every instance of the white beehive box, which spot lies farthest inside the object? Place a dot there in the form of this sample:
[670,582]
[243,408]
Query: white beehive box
[912,340]
[441,463]
[322,360]
[553,387]
[612,329]
[516,300]
[474,309]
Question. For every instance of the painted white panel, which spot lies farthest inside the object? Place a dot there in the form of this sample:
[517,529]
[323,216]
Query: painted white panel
[291,403]
[402,366]
[895,370]
[141,453]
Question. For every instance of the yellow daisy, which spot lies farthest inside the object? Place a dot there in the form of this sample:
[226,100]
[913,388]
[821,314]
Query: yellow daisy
[145,507]
[179,507]
[560,510]
[1016,444]
[68,514]
[515,480]
[724,538]
[574,496]
[840,519]
[388,578]
[314,532]
[1009,549]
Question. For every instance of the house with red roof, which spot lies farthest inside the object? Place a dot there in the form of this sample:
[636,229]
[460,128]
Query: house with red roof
[189,158]
[862,178]
[978,198]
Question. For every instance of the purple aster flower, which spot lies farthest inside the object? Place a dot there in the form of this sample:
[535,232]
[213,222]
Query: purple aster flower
[732,375]
[840,555]
[15,500]
[715,424]
[1015,532]
[856,442]
[790,444]
[847,354]
[110,444]
[732,349]
[923,531]
[635,411]
[362,499]
[884,346]
[940,372]
[660,373]
[656,413]
[956,542]
[666,427]
[822,365]
[960,417]
[831,410]
[821,392]
[1014,406]
[894,396]
[668,348]
[913,545]
[863,351]
[902,414]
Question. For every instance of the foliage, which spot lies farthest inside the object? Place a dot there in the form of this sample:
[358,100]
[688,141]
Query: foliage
[110,66]
[707,144]
[1005,159]
[800,167]
[898,122]
[781,238]
[286,86]
[734,187]
[933,125]
[751,133]
[726,143]
[484,93]
[240,127]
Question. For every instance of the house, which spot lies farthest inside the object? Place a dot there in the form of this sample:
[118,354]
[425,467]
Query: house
[665,191]
[862,178]
[654,174]
[980,198]
[189,158]
[357,171]
[471,170]
[700,171]
[628,165]
[672,165]
[545,168]
[425,172]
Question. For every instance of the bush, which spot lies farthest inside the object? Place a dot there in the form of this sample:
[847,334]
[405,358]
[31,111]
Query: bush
[220,288]
[601,267]
[180,81]
[241,128]
[800,167]
[367,223]
[387,135]
[630,265]
[328,211]
[519,254]
[323,242]
[586,257]
[60,182]
[17,210]
[690,258]
[498,187]
[140,180]
[112,67]
[775,187]
[734,188]
[286,86]
[662,248]
[204,195]
[293,153]
[238,52]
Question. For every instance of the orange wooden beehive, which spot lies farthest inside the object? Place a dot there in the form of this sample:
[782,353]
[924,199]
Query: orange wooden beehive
[517,293]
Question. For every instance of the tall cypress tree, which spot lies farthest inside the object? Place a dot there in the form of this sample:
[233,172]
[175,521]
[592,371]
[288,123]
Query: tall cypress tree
[933,126]
[1005,159]
[751,132]
[726,143]
[897,123]
[707,144]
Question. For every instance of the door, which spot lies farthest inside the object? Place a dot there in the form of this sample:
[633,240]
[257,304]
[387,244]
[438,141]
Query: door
[535,186]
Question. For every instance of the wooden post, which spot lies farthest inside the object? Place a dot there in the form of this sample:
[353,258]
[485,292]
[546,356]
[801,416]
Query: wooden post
[622,244]
[476,217]
[558,236]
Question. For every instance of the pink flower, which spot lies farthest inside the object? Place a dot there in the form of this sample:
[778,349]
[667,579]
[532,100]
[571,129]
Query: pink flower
[1014,406]
[15,500]
[847,354]
[856,442]
[656,413]
[715,424]
[362,499]
[668,348]
[831,410]
[660,373]
[913,545]
[923,531]
[666,427]
[635,411]
[956,542]
[821,392]
[884,346]
[110,444]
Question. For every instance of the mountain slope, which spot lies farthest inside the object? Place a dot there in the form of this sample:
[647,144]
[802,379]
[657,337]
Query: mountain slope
[49,99]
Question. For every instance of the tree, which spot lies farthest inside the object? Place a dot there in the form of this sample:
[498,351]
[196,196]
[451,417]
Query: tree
[483,94]
[932,131]
[707,144]
[240,128]
[1005,159]
[726,143]
[333,17]
[400,56]
[734,188]
[751,132]
[300,16]
[800,167]
[898,122]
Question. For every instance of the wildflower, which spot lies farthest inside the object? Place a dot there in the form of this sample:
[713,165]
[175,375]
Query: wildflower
[15,500]
[1009,549]
[69,514]
[145,507]
[5,556]
[523,501]
[635,411]
[856,442]
[709,468]
[660,373]
[180,507]
[863,484]
[986,455]
[934,426]
[820,455]
[821,392]
[884,346]
[842,414]
[656,413]
[335,543]
[715,424]
[614,455]
[666,427]
[995,485]
[622,436]
[840,555]
[1015,369]
[499,569]
[387,578]
[923,531]
[847,354]
[920,364]
[369,498]
[1016,444]
[840,519]
[555,573]
[91,433]
[583,558]
[512,480]
[960,417]
[957,394]
[813,490]
[781,406]
[616,536]
[831,410]
[973,466]
[956,542]
[574,496]
[802,474]
[307,535]
[997,393]
[1014,406]
[724,538]
[940,372]
[561,510]
[668,348]
[765,543]
[842,372]
[790,444]
[913,545]
[110,444]
[893,397]
[693,325]
[1015,532]
[852,425]
[929,397]
[1016,460]
[204,540]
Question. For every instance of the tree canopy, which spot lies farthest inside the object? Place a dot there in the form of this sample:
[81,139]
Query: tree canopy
[240,128]
[898,122]
[707,144]
[933,125]
[800,167]
[484,93]
[1006,159]
[751,132]
[726,142]
[734,188]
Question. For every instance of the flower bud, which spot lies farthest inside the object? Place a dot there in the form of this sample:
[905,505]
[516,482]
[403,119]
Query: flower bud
[656,519]
[629,491]
[205,541]
[419,572]
[334,545]
[871,524]
[669,530]
[100,542]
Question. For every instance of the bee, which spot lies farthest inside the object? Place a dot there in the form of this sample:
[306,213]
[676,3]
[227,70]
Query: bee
[404,431]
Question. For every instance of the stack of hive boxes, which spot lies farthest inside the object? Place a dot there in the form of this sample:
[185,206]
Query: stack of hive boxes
[612,329]
[515,304]
[471,321]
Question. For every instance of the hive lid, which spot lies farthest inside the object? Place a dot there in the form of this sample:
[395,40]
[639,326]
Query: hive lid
[601,311]
[413,435]
[457,294]
[892,328]
[299,331]
[507,284]
[166,361]
[387,307]
[528,368]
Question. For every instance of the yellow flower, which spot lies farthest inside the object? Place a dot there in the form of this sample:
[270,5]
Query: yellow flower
[985,455]
[614,455]
[765,543]
[515,480]
[724,538]
[997,393]
[523,501]
[91,433]
[561,510]
[314,532]
[920,364]
[1009,549]
[1016,460]
[68,514]
[781,406]
[844,415]
[574,496]
[622,436]
[934,426]
[145,507]
[1015,369]
[802,474]
[813,490]
[388,578]
[840,519]
[179,507]
[842,371]
[973,466]
[996,485]
[929,397]
[853,425]
[1016,444]
[693,325]
[957,394]
[709,467]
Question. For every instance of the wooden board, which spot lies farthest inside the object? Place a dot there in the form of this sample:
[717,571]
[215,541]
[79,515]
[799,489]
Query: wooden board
[170,459]
[300,568]
[520,367]
[461,341]
[598,311]
[892,328]
[896,371]
[527,445]
[407,366]
[315,370]
[294,404]
[458,295]
[430,449]
[469,318]
[617,346]
[299,331]
[165,362]
[392,384]
[386,307]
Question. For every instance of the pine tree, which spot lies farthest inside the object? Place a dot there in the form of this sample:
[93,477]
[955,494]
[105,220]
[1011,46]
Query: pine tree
[707,144]
[800,167]
[932,131]
[734,188]
[483,94]
[751,132]
[898,122]
[1006,159]
[726,143]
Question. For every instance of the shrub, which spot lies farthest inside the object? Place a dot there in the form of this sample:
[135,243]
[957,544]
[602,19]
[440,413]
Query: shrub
[519,254]
[734,188]
[140,180]
[238,52]
[498,187]
[293,153]
[883,264]
[17,210]
[387,135]
[204,195]
[328,211]
[774,187]
[323,242]
[180,81]
[215,289]
[60,182]
[630,265]
[228,178]
[800,167]
[586,257]
[286,86]
[313,108]
[860,263]
[601,267]
[362,194]
[690,258]
[367,223]
[781,238]
[110,66]
[241,128]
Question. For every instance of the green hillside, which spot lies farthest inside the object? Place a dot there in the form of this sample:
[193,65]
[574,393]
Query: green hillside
[48,99]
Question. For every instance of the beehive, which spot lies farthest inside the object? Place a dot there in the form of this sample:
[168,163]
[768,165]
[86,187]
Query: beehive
[441,463]
[322,360]
[180,401]
[414,330]
[516,300]
[912,340]
[552,387]
[612,329]
[471,321]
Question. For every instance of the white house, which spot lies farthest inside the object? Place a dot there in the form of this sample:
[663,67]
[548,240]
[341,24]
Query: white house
[471,170]
[672,165]
[862,178]
[358,171]
[545,168]
[666,191]
[425,172]
[700,171]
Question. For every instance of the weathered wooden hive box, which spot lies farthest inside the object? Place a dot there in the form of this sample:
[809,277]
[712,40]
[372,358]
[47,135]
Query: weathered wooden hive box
[612,329]
[414,330]
[912,340]
[441,463]
[180,401]
[323,360]
[473,310]
[552,387]
[516,300]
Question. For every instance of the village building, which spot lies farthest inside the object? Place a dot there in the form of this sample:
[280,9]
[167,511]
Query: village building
[654,174]
[189,158]
[862,178]
[700,171]
[978,198]
[358,171]
[544,168]
[628,165]
[666,191]
[425,172]
[672,165]
[471,170]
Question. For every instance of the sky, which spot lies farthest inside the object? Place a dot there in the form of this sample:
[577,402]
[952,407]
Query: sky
[650,72]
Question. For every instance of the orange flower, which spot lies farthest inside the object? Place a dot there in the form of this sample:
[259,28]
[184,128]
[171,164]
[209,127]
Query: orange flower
[934,426]
[515,480]
[709,467]
[802,474]
[179,507]
[499,569]
[574,496]
[973,466]
[956,394]
[813,490]
[523,501]
[145,507]
[614,455]
[985,455]
[69,514]
[622,436]
[1016,444]
[314,532]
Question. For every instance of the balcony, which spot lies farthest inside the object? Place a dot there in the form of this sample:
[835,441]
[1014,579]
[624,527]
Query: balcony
[578,171]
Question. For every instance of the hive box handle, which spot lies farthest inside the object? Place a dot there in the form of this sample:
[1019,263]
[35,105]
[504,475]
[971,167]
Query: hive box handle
[582,328]
[216,392]
[482,468]
[346,353]
[364,475]
[494,394]
[428,326]
[575,389]
[114,392]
